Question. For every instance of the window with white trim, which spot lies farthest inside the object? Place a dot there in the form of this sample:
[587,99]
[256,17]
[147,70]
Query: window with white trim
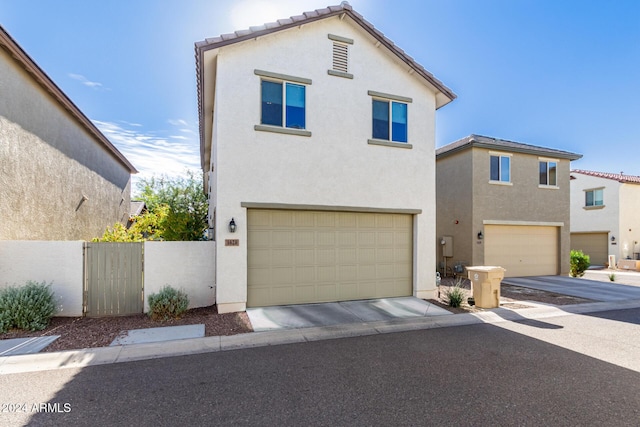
[548,173]
[500,168]
[593,198]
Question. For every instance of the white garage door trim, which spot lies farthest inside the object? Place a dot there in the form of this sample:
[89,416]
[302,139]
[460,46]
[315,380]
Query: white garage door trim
[307,256]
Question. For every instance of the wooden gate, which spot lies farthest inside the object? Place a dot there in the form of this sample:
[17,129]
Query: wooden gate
[113,279]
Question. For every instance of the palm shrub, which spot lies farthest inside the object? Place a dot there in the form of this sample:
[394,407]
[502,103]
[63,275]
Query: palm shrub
[167,304]
[579,263]
[29,307]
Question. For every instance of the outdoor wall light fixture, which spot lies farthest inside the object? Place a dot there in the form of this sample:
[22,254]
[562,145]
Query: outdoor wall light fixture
[480,236]
[232,226]
[613,239]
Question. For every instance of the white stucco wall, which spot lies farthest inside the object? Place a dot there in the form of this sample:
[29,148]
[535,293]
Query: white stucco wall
[54,262]
[189,266]
[335,166]
[606,219]
[629,220]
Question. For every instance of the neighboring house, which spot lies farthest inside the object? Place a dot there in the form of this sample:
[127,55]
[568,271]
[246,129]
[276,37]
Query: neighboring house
[605,215]
[137,207]
[317,134]
[61,179]
[503,203]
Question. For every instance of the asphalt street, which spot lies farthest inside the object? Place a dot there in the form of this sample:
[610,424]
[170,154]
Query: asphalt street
[570,370]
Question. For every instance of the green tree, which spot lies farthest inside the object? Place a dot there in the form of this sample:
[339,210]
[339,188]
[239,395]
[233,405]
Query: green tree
[185,201]
[148,226]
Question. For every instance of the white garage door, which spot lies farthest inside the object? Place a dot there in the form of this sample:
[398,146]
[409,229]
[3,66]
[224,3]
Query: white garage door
[522,250]
[315,256]
[595,245]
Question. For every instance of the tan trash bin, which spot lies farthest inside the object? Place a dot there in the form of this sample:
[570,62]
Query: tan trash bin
[485,285]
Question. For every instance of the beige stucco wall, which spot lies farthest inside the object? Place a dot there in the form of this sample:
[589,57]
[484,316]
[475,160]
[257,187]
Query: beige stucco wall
[629,220]
[454,193]
[522,202]
[48,162]
[335,166]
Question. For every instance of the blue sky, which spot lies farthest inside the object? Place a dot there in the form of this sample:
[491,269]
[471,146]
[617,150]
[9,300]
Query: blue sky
[560,74]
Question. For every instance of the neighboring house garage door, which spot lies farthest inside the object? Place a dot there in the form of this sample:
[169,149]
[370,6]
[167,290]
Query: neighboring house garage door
[522,250]
[593,244]
[315,256]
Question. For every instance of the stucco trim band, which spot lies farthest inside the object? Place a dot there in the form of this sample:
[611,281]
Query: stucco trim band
[534,223]
[389,144]
[340,39]
[287,131]
[279,76]
[340,74]
[297,207]
[389,96]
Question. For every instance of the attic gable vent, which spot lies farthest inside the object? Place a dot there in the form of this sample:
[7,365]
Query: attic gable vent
[340,57]
[340,66]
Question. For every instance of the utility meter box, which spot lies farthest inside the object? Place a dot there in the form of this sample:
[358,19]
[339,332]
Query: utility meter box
[485,285]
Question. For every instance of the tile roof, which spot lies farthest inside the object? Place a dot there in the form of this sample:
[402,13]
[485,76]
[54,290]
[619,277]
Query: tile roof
[29,65]
[504,145]
[294,21]
[620,177]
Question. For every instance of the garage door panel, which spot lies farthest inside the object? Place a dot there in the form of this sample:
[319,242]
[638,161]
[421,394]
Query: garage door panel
[596,245]
[299,257]
[522,250]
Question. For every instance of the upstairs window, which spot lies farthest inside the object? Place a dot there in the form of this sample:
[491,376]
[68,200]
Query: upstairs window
[593,198]
[548,173]
[283,104]
[500,168]
[390,121]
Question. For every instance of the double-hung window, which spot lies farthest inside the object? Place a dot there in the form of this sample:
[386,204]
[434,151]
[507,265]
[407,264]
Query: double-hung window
[283,103]
[548,173]
[390,115]
[593,198]
[500,168]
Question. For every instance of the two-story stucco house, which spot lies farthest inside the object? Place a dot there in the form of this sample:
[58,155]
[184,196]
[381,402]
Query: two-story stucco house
[605,215]
[317,134]
[503,203]
[60,177]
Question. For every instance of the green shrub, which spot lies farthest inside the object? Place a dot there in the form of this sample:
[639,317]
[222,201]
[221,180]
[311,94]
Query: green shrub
[167,304]
[29,307]
[612,277]
[455,294]
[579,263]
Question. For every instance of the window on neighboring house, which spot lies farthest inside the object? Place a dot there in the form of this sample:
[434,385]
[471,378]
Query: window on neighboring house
[548,173]
[500,168]
[283,104]
[390,121]
[593,197]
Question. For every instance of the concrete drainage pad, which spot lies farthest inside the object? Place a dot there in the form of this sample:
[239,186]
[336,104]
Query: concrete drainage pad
[167,333]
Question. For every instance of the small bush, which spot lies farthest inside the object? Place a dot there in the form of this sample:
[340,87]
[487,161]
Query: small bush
[579,263]
[29,307]
[456,294]
[167,304]
[612,277]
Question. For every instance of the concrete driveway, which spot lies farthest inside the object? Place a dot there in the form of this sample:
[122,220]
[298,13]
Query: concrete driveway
[338,313]
[578,287]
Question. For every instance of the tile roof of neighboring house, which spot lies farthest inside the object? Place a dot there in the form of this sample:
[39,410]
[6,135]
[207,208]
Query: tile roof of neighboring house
[620,177]
[295,21]
[504,145]
[29,65]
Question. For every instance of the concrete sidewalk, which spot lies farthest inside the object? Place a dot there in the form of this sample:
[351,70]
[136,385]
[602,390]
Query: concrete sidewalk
[129,353]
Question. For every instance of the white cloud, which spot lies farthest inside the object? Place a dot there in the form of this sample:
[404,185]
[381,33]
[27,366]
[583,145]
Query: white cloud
[153,154]
[82,79]
[178,122]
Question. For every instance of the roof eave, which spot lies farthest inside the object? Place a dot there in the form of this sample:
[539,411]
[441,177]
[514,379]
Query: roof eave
[30,66]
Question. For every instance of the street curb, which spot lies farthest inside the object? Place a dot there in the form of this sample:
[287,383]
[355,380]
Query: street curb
[134,352]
